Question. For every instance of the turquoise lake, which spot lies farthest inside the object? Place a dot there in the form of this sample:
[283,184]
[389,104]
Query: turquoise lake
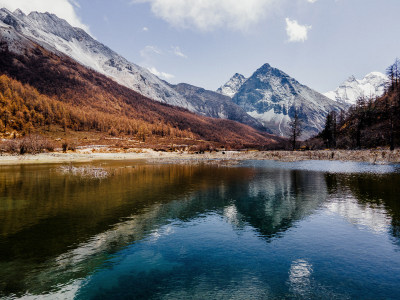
[258,230]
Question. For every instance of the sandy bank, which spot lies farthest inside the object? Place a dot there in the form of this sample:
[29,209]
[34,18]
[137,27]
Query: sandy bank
[88,155]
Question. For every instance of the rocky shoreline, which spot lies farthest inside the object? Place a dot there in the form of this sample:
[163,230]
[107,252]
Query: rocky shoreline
[94,154]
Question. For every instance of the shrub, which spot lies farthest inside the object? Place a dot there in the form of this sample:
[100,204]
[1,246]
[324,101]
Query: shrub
[72,147]
[28,144]
[65,147]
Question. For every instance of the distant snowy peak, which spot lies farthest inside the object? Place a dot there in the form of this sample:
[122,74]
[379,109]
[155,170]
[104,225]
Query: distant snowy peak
[371,86]
[232,86]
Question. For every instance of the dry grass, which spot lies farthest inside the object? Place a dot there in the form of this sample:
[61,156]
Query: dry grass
[85,171]
[229,157]
[372,156]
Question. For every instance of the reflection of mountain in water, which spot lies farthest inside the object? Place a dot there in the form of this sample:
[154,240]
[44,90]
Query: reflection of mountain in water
[274,200]
[367,200]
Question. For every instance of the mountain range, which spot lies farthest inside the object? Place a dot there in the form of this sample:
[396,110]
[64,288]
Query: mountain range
[266,100]
[55,34]
[44,87]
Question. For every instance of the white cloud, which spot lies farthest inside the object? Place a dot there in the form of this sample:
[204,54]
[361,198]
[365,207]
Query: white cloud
[162,75]
[149,51]
[312,1]
[207,15]
[178,52]
[65,9]
[149,55]
[145,29]
[296,32]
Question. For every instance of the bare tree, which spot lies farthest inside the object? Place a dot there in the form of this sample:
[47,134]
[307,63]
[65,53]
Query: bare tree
[393,104]
[393,72]
[391,136]
[396,67]
[390,74]
[296,128]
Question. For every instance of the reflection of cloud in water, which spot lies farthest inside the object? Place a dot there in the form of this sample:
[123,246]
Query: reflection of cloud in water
[299,277]
[374,217]
[233,217]
[94,252]
[121,234]
[159,232]
[67,292]
[303,285]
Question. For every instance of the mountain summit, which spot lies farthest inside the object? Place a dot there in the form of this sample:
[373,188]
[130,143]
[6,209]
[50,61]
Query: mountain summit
[371,86]
[271,96]
[232,86]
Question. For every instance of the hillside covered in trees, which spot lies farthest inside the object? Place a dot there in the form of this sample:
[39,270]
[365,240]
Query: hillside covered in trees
[371,123]
[42,91]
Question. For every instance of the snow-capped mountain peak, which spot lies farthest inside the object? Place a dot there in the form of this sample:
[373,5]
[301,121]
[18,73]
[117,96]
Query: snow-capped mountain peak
[232,86]
[352,78]
[371,86]
[271,96]
[19,12]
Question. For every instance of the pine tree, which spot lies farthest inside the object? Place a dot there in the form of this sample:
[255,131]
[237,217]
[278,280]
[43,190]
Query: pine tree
[330,131]
[296,128]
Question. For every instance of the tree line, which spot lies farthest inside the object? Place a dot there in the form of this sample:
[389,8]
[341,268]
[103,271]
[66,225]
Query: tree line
[24,110]
[370,123]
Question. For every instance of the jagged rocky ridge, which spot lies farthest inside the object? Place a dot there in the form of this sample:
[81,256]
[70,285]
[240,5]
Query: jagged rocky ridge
[232,86]
[371,86]
[271,96]
[216,105]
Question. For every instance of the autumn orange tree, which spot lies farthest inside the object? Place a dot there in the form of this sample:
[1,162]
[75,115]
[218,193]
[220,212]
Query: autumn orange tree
[24,109]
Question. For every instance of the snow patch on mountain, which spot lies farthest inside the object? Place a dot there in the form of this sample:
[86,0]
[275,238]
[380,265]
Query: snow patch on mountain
[275,120]
[371,86]
[232,86]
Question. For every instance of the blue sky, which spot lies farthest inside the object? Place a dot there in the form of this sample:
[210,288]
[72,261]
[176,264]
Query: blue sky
[204,42]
